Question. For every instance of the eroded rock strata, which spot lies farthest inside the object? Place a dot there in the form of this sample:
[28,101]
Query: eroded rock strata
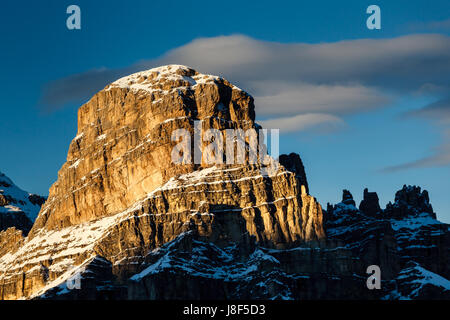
[128,223]
[119,195]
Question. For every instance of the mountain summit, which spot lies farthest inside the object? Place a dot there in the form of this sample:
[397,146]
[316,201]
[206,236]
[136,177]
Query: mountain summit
[128,222]
[119,195]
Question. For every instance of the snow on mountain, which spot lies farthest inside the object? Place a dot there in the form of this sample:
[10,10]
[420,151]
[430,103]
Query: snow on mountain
[150,80]
[18,208]
[128,223]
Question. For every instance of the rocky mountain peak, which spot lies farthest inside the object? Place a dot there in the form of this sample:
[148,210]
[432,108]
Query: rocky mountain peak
[410,201]
[124,144]
[347,198]
[370,205]
[131,223]
[293,163]
[164,78]
[17,208]
[120,195]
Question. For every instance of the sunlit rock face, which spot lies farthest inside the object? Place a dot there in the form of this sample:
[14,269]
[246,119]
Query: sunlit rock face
[128,222]
[120,195]
[123,147]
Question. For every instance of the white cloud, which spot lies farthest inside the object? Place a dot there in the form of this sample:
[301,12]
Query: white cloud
[299,85]
[285,98]
[370,65]
[301,122]
[439,114]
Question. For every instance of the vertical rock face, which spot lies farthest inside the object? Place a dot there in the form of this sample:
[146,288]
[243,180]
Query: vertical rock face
[293,163]
[123,147]
[422,240]
[370,204]
[130,223]
[334,269]
[120,195]
[10,240]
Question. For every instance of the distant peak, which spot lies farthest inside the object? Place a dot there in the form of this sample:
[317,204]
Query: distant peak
[18,208]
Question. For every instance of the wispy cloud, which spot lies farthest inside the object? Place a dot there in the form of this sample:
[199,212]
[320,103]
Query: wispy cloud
[284,98]
[438,111]
[301,122]
[264,68]
[440,25]
[294,83]
[439,114]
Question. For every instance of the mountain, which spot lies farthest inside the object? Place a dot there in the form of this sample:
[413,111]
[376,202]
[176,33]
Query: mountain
[18,208]
[126,221]
[405,239]
[119,195]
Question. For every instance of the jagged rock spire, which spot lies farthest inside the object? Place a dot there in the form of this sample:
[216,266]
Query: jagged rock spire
[347,198]
[410,201]
[370,205]
[293,163]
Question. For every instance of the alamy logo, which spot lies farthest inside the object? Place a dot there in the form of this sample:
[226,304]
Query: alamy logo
[73,22]
[374,281]
[74,282]
[241,147]
[374,20]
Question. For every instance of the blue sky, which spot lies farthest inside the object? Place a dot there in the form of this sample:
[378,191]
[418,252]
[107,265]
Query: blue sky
[386,132]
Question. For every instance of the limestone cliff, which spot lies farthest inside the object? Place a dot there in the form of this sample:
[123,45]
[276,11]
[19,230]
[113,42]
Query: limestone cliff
[119,195]
[129,222]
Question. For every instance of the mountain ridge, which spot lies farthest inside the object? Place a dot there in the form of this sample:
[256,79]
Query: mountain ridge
[129,223]
[119,194]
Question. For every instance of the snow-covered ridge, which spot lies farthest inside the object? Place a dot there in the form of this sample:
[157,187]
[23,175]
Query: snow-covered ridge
[18,200]
[414,223]
[148,80]
[62,245]
[417,279]
[201,177]
[198,264]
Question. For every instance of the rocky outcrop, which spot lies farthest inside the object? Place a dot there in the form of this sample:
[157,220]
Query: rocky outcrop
[292,162]
[192,267]
[370,205]
[120,195]
[347,198]
[370,239]
[10,240]
[410,201]
[126,221]
[405,240]
[421,238]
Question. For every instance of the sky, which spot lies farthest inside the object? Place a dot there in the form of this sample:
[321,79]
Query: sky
[363,108]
